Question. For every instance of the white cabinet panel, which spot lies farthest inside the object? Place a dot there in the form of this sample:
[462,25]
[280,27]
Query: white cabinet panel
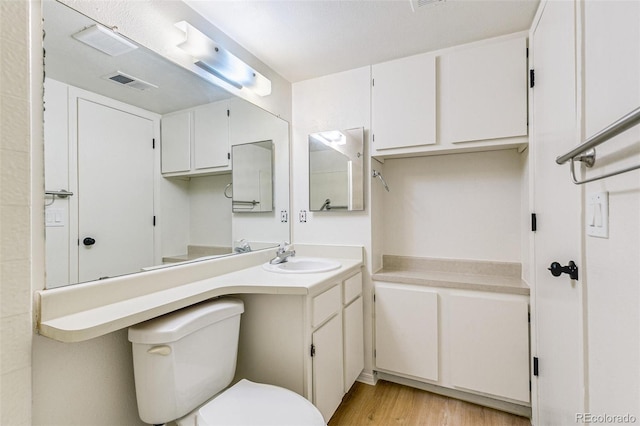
[353,343]
[489,349]
[483,92]
[406,327]
[352,288]
[328,367]
[404,102]
[176,142]
[325,304]
[211,136]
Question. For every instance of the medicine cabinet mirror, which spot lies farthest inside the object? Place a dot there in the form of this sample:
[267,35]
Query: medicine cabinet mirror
[99,185]
[336,170]
[252,165]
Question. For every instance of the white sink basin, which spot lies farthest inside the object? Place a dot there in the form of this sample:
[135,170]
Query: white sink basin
[303,265]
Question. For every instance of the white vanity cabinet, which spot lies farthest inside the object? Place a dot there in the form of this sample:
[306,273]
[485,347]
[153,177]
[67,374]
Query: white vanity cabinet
[196,141]
[313,345]
[403,108]
[470,341]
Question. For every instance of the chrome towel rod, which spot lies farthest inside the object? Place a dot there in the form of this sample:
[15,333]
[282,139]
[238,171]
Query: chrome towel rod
[585,152]
[63,193]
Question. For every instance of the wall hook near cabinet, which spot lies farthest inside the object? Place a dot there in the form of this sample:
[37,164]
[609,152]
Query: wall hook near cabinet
[228,187]
[376,174]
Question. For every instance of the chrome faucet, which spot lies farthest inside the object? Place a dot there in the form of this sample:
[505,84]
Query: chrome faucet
[282,255]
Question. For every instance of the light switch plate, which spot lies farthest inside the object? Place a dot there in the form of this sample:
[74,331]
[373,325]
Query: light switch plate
[597,217]
[54,217]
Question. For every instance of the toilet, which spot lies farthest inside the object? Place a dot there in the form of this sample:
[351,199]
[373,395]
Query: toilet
[184,361]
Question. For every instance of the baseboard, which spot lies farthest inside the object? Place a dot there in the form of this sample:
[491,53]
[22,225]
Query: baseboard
[509,407]
[368,378]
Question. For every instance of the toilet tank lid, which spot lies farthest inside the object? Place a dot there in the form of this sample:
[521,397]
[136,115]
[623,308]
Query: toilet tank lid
[175,325]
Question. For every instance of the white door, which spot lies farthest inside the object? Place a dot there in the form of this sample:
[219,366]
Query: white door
[115,191]
[557,305]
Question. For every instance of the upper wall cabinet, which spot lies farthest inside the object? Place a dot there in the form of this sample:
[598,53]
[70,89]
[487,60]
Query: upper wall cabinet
[404,102]
[196,141]
[483,92]
[462,99]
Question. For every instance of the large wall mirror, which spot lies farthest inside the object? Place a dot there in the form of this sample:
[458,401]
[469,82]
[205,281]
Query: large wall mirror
[138,156]
[336,170]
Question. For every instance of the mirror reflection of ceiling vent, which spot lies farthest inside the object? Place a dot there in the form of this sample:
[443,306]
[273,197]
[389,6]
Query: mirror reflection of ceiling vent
[416,4]
[129,81]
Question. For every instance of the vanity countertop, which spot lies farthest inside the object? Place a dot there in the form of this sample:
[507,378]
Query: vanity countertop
[63,317]
[495,277]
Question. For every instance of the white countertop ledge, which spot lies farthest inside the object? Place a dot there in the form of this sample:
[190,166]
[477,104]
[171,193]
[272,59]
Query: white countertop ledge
[84,311]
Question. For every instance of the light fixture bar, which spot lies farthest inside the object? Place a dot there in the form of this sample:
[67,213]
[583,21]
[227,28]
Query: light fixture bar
[104,40]
[221,63]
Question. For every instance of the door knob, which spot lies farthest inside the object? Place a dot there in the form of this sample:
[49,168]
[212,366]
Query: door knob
[88,241]
[571,269]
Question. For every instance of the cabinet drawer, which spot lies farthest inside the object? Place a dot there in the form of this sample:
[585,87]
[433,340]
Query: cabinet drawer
[352,288]
[325,305]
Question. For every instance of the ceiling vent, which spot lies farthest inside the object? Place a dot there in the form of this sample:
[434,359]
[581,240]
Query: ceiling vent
[129,81]
[416,4]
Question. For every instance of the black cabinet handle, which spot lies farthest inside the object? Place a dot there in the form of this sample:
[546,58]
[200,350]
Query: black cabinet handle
[88,241]
[571,269]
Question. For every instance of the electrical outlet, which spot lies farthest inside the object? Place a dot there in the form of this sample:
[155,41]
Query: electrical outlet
[302,216]
[284,216]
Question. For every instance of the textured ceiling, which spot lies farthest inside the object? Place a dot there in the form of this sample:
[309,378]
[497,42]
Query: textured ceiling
[302,39]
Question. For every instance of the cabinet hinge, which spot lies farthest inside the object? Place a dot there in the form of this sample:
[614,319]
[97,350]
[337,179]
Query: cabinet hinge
[529,385]
[313,350]
[374,298]
[373,82]
[374,353]
[534,222]
[153,143]
[78,241]
[228,156]
[373,137]
[228,113]
[529,317]
[532,78]
[154,221]
[527,52]
[535,366]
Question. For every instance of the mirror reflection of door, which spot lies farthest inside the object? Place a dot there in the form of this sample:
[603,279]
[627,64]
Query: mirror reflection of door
[115,191]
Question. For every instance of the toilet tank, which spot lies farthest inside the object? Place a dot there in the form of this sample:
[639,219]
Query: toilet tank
[184,358]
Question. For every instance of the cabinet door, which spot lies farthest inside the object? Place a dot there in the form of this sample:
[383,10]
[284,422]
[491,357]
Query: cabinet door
[327,367]
[406,324]
[489,338]
[176,142]
[404,102]
[211,136]
[483,92]
[353,343]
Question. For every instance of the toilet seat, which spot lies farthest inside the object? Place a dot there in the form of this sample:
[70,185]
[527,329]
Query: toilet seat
[254,404]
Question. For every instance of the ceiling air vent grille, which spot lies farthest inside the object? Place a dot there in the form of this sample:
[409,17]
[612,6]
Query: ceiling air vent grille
[129,81]
[416,4]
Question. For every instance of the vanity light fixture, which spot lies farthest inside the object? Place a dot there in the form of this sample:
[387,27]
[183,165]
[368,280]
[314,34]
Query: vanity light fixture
[218,61]
[330,138]
[104,40]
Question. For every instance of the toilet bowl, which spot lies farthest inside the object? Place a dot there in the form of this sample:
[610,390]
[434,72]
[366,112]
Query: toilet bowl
[184,361]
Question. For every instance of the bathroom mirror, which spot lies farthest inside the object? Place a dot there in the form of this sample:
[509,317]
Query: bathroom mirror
[252,172]
[336,170]
[92,217]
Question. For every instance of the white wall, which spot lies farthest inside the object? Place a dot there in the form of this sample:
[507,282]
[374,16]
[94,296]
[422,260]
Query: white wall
[337,101]
[18,89]
[612,89]
[462,206]
[209,211]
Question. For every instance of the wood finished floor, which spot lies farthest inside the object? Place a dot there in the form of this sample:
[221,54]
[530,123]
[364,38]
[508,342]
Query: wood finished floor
[391,404]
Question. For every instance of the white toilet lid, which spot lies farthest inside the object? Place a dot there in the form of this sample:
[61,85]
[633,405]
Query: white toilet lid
[253,404]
